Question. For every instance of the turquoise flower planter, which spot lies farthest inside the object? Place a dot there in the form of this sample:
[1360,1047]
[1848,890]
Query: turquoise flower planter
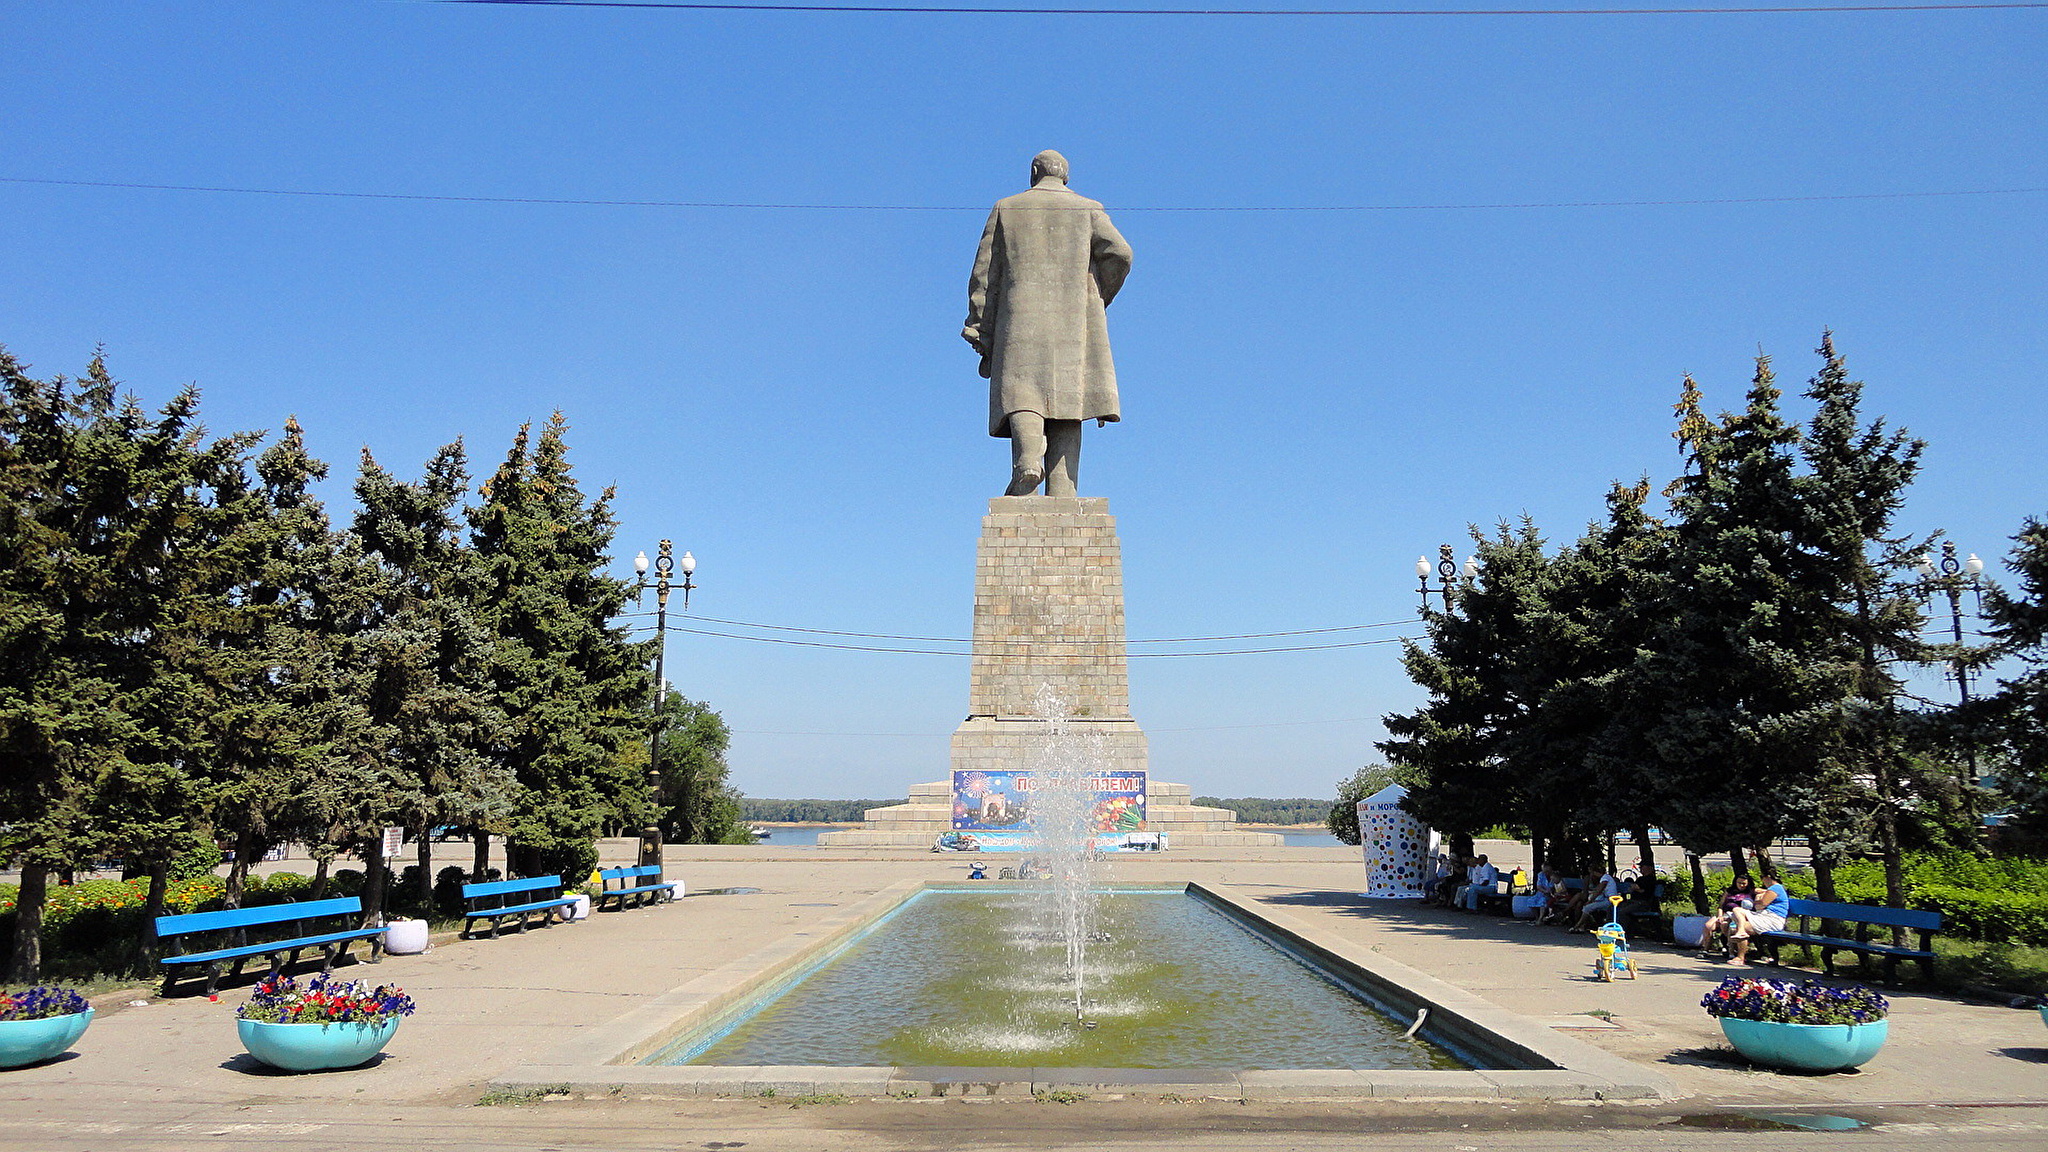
[312,1047]
[1806,1047]
[34,1041]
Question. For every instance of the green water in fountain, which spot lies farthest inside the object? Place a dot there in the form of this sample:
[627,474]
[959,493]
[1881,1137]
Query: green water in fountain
[981,979]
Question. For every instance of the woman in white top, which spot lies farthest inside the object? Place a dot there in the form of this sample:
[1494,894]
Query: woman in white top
[1767,916]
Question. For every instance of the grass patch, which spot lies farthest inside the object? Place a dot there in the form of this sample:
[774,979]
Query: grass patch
[812,1098]
[103,984]
[1059,1096]
[513,1099]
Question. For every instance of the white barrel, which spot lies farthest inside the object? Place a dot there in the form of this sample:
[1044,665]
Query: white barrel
[1686,931]
[405,937]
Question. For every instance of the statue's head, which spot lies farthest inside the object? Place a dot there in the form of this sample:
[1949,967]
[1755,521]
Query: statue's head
[1048,163]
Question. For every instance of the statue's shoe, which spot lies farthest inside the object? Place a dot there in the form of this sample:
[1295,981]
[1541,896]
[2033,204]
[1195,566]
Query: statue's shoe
[1025,482]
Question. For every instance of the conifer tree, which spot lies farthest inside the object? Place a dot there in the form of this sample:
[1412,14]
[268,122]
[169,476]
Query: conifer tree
[1466,743]
[572,686]
[1739,680]
[1854,487]
[431,697]
[108,537]
[242,650]
[2018,623]
[1588,629]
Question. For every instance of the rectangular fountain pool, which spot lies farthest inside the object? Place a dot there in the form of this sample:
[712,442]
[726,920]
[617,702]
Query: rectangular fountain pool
[978,978]
[1202,1019]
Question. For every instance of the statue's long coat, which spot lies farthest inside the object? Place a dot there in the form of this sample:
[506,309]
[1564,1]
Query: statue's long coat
[1050,262]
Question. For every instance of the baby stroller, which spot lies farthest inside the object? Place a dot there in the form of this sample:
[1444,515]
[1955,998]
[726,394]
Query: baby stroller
[1611,940]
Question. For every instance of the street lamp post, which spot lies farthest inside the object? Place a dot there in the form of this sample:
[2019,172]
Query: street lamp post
[1446,572]
[664,572]
[1949,575]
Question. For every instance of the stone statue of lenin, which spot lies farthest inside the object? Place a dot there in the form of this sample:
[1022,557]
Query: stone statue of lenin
[1050,263]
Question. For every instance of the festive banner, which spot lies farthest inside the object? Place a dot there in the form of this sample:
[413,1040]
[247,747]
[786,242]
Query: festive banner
[996,806]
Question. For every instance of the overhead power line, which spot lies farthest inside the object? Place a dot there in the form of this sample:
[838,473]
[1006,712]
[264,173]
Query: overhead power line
[977,10]
[968,640]
[797,206]
[1152,731]
[1036,652]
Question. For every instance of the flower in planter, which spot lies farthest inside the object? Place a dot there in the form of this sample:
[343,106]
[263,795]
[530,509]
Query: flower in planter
[41,1002]
[278,999]
[1786,1002]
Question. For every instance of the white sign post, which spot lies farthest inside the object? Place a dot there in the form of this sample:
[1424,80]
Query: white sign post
[394,839]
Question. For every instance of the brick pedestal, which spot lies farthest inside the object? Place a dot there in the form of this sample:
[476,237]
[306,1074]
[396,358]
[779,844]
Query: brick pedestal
[1048,614]
[1048,610]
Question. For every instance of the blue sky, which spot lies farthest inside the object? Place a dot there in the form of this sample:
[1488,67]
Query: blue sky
[1312,397]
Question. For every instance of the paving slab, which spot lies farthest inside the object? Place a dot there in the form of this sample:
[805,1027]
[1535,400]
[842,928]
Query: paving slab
[496,1010]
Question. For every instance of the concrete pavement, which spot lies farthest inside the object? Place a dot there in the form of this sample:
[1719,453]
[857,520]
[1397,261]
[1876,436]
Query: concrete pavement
[490,1005]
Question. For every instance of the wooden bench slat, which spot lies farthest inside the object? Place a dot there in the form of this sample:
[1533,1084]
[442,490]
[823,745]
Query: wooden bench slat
[188,922]
[266,949]
[511,909]
[1865,914]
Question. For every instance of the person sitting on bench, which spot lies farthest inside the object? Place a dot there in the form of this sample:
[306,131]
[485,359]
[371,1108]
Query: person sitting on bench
[1480,881]
[1593,900]
[1719,928]
[1768,916]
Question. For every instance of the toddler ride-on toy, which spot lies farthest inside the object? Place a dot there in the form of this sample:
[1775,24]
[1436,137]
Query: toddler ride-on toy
[1612,941]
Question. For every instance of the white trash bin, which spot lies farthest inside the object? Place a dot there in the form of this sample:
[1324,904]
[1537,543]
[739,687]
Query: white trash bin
[1687,930]
[405,937]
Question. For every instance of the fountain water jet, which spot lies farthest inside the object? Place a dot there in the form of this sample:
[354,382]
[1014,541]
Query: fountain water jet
[1063,768]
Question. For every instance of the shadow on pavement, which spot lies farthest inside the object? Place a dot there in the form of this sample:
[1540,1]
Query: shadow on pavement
[250,1066]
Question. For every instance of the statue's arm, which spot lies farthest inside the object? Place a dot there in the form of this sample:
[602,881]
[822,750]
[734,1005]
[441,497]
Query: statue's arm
[981,289]
[1110,258]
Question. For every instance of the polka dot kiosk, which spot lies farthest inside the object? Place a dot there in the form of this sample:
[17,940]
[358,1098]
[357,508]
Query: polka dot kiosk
[1398,847]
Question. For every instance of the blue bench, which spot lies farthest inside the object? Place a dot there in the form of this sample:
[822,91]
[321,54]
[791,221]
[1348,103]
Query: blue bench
[231,927]
[1864,917]
[498,899]
[639,884]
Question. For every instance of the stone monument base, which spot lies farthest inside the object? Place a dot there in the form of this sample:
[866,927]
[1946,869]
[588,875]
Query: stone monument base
[1169,809]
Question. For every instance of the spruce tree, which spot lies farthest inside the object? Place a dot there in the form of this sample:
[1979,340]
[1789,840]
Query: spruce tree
[109,540]
[1740,677]
[573,688]
[2017,621]
[431,696]
[1465,743]
[1854,487]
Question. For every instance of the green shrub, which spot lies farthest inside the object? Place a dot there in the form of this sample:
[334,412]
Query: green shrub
[93,927]
[197,860]
[276,888]
[448,884]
